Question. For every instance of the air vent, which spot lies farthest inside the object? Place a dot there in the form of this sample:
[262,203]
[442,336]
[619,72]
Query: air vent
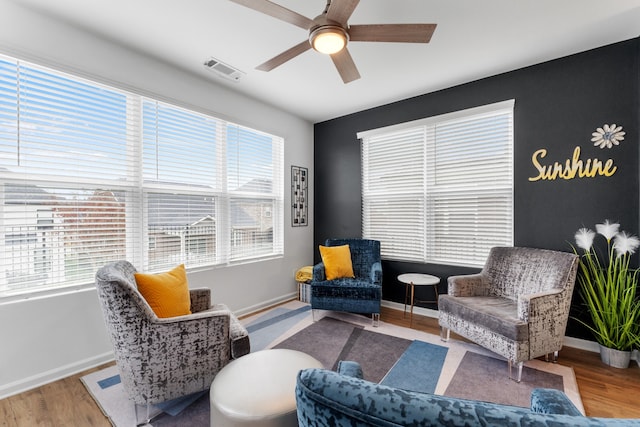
[223,70]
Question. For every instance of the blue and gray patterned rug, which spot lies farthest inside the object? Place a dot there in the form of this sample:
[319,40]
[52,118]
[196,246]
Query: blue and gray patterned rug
[389,354]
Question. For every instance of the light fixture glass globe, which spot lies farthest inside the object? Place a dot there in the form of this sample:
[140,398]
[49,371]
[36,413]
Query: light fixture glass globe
[329,40]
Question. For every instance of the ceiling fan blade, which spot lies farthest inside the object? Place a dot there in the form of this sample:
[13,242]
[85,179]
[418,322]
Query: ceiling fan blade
[345,65]
[341,10]
[402,33]
[277,11]
[284,56]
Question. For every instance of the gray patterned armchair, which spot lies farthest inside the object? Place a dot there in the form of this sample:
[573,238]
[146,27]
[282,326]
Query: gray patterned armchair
[517,306]
[160,359]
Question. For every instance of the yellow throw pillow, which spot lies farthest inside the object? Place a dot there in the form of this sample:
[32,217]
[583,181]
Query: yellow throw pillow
[167,293]
[337,261]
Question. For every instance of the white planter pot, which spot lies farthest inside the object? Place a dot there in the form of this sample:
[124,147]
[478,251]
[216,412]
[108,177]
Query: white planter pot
[615,358]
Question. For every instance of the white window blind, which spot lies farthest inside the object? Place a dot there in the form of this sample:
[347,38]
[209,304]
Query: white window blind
[440,190]
[181,184]
[255,191]
[91,174]
[65,178]
[393,189]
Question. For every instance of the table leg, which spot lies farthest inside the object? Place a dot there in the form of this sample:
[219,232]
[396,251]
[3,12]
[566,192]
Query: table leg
[435,288]
[412,299]
[406,294]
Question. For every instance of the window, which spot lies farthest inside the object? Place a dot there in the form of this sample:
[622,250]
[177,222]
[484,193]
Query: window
[440,190]
[91,174]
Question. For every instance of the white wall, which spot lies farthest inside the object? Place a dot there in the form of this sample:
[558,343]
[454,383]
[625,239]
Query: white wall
[46,338]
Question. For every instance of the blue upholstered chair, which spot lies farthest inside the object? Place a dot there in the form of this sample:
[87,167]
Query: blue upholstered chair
[344,399]
[361,294]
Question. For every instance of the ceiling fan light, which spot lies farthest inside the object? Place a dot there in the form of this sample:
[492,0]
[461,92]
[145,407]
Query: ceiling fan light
[329,40]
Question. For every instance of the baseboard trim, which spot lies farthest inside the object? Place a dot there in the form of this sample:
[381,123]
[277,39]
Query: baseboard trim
[34,381]
[266,304]
[582,344]
[578,343]
[421,311]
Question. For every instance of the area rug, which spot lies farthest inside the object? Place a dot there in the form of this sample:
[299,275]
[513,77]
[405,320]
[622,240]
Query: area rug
[330,340]
[471,376]
[391,355]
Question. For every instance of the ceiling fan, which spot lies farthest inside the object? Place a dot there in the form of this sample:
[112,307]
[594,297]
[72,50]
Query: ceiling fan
[329,33]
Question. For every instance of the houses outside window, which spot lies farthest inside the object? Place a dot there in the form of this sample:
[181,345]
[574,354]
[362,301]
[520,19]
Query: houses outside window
[90,174]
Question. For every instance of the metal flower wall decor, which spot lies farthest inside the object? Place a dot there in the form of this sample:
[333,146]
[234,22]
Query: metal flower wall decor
[607,136]
[577,166]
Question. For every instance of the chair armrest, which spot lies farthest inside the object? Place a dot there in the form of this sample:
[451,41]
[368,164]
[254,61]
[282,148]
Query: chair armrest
[235,333]
[376,273]
[547,314]
[318,273]
[468,285]
[535,303]
[213,312]
[551,401]
[350,369]
[238,335]
[200,299]
[189,334]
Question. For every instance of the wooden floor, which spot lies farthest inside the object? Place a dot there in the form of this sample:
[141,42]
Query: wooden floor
[605,392]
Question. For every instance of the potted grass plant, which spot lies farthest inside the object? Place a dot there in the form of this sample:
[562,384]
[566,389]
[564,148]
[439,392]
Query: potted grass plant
[608,288]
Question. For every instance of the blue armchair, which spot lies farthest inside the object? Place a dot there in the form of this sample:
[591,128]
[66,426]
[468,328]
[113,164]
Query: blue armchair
[361,294]
[344,399]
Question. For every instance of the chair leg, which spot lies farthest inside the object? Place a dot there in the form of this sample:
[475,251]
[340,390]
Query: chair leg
[519,374]
[146,416]
[375,319]
[445,333]
[551,357]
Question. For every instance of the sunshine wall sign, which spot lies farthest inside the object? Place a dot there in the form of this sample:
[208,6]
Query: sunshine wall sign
[606,136]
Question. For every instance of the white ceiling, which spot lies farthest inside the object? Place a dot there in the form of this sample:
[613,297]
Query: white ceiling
[474,39]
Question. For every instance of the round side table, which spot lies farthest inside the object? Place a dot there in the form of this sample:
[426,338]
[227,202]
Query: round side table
[411,280]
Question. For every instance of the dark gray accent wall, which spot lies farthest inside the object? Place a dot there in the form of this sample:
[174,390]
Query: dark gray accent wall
[558,104]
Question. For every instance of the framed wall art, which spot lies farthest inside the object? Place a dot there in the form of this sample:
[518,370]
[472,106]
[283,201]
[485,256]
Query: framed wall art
[299,208]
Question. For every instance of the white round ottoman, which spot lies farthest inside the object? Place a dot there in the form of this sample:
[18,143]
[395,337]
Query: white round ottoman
[259,389]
